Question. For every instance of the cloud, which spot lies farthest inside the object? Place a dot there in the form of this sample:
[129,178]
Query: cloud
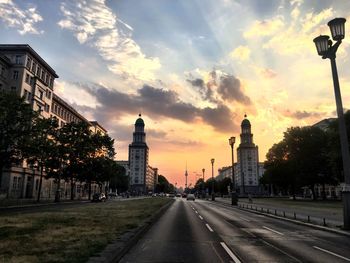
[157,103]
[95,24]
[230,90]
[266,27]
[299,115]
[220,87]
[242,53]
[23,20]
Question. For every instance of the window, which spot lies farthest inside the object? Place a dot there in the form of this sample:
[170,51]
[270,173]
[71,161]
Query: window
[41,94]
[40,109]
[25,94]
[42,75]
[34,67]
[27,78]
[15,74]
[18,59]
[31,81]
[29,96]
[47,107]
[29,62]
[38,70]
[51,82]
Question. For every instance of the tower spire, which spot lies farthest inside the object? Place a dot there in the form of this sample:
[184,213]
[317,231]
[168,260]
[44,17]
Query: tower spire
[186,174]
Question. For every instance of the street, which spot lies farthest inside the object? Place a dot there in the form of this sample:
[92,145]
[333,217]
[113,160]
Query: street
[203,231]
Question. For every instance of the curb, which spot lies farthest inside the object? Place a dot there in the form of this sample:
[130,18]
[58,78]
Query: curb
[115,251]
[328,229]
[4,208]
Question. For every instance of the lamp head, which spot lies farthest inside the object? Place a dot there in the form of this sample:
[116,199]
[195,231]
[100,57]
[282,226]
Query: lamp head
[232,140]
[322,44]
[337,27]
[212,161]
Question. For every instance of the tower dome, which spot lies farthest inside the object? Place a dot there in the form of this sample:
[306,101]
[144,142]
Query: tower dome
[139,121]
[245,122]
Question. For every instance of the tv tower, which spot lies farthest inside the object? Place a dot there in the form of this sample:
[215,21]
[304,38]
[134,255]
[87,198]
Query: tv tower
[186,174]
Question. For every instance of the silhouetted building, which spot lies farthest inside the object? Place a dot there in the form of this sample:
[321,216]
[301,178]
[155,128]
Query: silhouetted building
[247,169]
[138,158]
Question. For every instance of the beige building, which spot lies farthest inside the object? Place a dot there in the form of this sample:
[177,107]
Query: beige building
[23,71]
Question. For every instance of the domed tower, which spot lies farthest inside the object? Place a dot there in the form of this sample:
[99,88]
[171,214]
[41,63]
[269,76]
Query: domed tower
[246,134]
[246,173]
[138,158]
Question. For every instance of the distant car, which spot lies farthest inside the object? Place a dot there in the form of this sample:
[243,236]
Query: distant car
[154,195]
[178,195]
[171,195]
[191,197]
[99,197]
[184,195]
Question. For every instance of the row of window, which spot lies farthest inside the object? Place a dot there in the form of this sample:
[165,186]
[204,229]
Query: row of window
[40,72]
[67,116]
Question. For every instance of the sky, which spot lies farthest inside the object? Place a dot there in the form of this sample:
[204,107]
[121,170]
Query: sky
[192,68]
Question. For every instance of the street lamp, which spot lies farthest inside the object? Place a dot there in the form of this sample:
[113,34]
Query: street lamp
[203,195]
[326,49]
[234,198]
[212,177]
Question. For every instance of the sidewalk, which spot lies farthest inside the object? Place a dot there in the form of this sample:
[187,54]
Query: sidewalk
[315,212]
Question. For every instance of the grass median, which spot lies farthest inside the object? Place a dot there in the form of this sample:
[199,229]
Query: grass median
[70,234]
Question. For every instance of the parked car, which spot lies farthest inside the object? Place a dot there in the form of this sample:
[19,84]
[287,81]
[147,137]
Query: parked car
[184,195]
[178,195]
[171,195]
[99,197]
[191,197]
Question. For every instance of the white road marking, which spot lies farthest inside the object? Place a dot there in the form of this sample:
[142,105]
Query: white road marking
[201,217]
[233,256]
[260,215]
[245,219]
[269,244]
[275,231]
[331,253]
[196,211]
[210,229]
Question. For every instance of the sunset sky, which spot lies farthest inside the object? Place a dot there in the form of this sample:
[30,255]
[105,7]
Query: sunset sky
[193,68]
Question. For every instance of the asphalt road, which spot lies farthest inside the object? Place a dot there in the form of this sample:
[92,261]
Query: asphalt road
[203,231]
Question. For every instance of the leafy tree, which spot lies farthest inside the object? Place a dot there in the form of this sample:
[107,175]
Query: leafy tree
[16,119]
[118,180]
[41,144]
[163,185]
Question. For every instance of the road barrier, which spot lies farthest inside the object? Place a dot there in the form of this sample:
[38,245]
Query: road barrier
[293,215]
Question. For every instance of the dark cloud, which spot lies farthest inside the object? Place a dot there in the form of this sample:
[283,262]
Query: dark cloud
[156,103]
[230,90]
[303,114]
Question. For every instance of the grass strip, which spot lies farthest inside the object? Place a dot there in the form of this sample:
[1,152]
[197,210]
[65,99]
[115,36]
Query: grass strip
[70,234]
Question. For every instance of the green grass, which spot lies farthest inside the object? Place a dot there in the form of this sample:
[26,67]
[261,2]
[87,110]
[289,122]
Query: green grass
[70,234]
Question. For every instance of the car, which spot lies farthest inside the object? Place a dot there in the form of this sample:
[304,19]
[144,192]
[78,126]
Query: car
[178,195]
[184,195]
[171,195]
[190,197]
[154,195]
[112,195]
[99,197]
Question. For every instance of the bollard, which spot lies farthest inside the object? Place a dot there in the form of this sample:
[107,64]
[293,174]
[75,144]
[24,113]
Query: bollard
[295,216]
[256,208]
[262,210]
[275,212]
[308,219]
[251,207]
[324,222]
[284,214]
[268,211]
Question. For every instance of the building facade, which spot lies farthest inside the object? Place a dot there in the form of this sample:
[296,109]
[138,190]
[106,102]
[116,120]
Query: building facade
[24,72]
[247,170]
[138,158]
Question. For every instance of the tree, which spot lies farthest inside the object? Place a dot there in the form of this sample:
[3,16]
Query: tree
[118,180]
[41,144]
[16,118]
[163,185]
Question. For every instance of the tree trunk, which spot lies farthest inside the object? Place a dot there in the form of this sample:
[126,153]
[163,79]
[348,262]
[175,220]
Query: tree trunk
[89,190]
[58,190]
[40,182]
[313,192]
[72,189]
[323,191]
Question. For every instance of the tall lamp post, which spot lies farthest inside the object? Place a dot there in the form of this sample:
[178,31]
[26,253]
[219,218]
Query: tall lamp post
[234,198]
[326,49]
[212,178]
[203,195]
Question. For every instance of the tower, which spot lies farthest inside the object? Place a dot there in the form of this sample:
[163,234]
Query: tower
[186,174]
[138,158]
[246,174]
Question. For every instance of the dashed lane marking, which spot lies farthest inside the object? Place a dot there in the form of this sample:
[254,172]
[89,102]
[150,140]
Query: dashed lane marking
[201,217]
[332,253]
[233,256]
[196,211]
[210,229]
[245,219]
[275,231]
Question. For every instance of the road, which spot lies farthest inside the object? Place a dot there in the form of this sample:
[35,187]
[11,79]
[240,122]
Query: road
[203,231]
